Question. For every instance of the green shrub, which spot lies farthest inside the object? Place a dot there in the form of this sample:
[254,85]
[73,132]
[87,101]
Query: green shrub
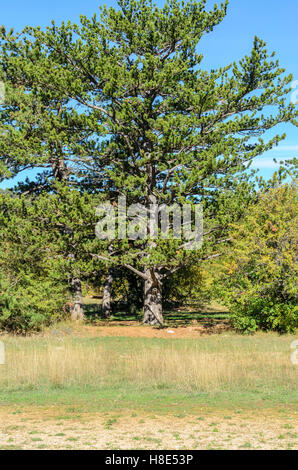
[29,305]
[264,314]
[259,272]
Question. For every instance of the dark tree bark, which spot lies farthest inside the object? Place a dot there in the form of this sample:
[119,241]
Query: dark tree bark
[135,293]
[60,170]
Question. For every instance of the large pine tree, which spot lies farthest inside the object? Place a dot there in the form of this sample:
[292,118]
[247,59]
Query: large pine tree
[159,128]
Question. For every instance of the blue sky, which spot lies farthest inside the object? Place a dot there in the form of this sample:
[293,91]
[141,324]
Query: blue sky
[275,21]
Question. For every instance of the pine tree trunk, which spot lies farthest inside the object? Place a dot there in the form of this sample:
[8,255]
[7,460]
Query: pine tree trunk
[106,301]
[60,170]
[153,283]
[77,312]
[153,299]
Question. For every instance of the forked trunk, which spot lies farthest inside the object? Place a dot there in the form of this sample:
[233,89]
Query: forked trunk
[153,299]
[107,292]
[153,281]
[60,170]
[77,312]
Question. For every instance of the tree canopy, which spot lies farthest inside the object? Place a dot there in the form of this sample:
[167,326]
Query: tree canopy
[120,105]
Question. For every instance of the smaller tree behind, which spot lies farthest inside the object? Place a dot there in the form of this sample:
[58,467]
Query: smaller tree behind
[45,244]
[31,297]
[260,269]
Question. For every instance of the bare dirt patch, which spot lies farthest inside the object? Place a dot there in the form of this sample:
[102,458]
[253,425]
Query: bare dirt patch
[51,428]
[135,330]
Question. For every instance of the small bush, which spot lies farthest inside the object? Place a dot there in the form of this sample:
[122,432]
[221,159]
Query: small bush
[264,314]
[29,305]
[259,272]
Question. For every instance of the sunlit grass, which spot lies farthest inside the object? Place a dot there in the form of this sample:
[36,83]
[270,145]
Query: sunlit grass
[210,364]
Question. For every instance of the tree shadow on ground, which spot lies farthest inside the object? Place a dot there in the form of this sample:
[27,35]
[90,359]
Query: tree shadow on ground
[205,316]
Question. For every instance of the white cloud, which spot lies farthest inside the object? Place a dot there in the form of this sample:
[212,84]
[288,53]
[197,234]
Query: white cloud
[265,163]
[285,148]
[268,162]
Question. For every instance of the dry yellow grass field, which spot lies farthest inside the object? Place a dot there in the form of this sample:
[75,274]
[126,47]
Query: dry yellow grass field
[217,391]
